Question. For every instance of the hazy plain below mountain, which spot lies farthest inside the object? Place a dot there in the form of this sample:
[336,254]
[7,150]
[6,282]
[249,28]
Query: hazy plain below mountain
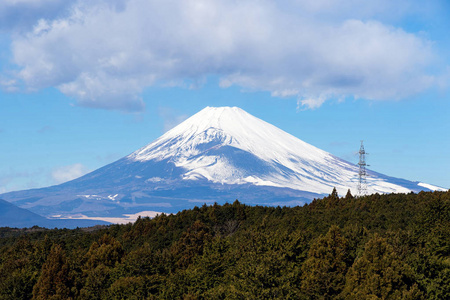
[16,217]
[217,155]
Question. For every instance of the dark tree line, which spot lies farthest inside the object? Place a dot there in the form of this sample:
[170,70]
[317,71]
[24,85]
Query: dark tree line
[393,246]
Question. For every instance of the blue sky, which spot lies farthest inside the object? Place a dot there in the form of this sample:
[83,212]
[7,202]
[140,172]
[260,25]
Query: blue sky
[83,83]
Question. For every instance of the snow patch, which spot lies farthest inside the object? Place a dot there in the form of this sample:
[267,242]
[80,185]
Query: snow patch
[94,197]
[199,145]
[98,197]
[113,198]
[431,187]
[154,179]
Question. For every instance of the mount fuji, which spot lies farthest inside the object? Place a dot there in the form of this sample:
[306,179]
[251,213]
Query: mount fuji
[217,155]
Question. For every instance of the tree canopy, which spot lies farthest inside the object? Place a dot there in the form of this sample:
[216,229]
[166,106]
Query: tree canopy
[394,246]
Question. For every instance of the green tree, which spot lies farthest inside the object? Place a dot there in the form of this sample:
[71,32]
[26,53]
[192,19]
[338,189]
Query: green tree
[349,196]
[54,282]
[18,270]
[191,244]
[264,267]
[101,258]
[379,274]
[128,288]
[332,199]
[324,270]
[108,251]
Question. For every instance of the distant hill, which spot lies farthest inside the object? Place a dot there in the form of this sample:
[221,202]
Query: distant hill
[13,216]
[217,155]
[393,246]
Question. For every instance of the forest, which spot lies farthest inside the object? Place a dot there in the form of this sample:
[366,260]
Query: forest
[393,246]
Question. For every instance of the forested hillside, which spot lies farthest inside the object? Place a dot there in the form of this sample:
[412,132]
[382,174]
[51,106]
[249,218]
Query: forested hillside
[393,246]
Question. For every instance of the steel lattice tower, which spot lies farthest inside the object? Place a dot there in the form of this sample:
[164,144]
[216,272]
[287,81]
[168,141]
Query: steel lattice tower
[362,184]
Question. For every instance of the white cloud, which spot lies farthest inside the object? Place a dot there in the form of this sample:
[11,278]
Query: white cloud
[310,103]
[8,85]
[66,173]
[20,15]
[104,55]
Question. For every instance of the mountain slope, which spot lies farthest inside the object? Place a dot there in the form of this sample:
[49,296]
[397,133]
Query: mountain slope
[228,145]
[217,155]
[13,216]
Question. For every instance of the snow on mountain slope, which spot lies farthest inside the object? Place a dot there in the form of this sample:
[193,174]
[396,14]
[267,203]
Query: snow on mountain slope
[195,146]
[431,187]
[217,155]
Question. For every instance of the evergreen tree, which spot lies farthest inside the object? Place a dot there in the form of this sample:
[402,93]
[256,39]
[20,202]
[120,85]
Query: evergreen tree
[234,251]
[378,274]
[333,199]
[349,196]
[101,258]
[191,244]
[326,265]
[54,282]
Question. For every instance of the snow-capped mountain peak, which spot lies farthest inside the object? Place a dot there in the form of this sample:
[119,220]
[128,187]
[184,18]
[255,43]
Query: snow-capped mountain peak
[230,126]
[228,145]
[217,155]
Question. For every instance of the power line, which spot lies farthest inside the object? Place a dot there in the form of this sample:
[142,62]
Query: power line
[362,184]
